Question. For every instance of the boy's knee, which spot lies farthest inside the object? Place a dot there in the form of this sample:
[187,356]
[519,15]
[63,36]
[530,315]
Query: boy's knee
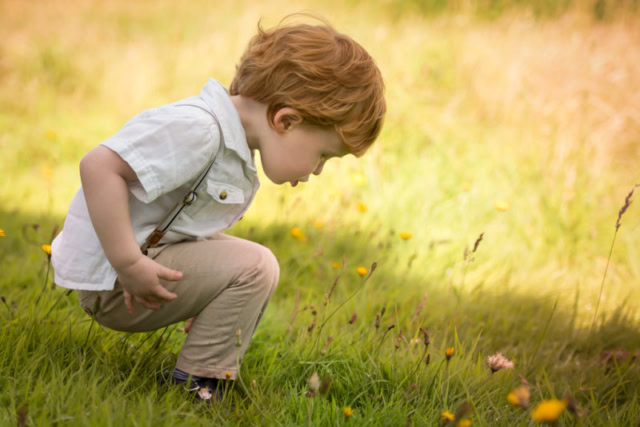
[263,264]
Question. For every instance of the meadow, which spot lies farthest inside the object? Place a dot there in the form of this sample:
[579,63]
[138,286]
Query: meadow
[482,221]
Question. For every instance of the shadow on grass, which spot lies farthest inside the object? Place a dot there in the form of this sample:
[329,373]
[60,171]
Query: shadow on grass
[542,337]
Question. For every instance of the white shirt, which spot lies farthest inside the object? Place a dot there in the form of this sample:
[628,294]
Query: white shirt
[167,147]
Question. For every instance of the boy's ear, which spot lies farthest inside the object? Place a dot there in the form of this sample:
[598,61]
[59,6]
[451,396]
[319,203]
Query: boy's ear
[286,119]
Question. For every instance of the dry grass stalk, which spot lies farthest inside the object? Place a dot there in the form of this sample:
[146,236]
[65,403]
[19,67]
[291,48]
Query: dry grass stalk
[477,243]
[295,311]
[623,209]
[420,308]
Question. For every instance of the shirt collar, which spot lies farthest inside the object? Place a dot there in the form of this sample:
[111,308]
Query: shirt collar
[217,98]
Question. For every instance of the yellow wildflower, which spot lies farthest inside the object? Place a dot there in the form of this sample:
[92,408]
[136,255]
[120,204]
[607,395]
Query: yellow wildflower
[318,223]
[466,186]
[358,179]
[548,410]
[46,249]
[228,375]
[449,352]
[447,417]
[404,235]
[2,233]
[47,172]
[362,207]
[502,205]
[298,234]
[362,270]
[519,396]
[463,423]
[347,411]
[335,264]
[51,135]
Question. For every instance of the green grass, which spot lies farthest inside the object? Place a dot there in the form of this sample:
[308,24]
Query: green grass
[510,109]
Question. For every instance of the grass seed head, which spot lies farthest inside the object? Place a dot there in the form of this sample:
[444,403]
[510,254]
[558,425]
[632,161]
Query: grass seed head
[425,334]
[333,287]
[398,340]
[353,318]
[627,203]
[477,243]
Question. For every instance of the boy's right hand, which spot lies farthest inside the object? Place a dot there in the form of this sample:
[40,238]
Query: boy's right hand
[141,280]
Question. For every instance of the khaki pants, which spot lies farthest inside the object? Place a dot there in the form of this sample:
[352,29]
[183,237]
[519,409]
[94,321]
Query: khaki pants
[227,283]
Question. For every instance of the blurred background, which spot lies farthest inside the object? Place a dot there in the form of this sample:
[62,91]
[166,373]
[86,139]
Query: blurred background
[516,118]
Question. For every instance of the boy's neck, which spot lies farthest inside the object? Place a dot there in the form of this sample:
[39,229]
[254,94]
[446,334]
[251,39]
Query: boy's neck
[253,116]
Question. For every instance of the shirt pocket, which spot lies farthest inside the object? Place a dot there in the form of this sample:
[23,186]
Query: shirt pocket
[219,202]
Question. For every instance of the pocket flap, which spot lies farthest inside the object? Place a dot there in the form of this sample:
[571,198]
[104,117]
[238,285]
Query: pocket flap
[225,193]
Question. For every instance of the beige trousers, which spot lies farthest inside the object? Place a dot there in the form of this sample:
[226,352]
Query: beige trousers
[227,283]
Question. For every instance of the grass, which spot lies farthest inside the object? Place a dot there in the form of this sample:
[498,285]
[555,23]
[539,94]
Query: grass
[537,115]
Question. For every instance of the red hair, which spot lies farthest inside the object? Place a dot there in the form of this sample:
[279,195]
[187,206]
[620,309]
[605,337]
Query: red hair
[326,76]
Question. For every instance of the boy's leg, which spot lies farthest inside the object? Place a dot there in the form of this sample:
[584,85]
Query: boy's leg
[227,283]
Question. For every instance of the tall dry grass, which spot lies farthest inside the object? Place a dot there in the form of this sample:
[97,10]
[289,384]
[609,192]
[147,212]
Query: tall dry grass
[569,89]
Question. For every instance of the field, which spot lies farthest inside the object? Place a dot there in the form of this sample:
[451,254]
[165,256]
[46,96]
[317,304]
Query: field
[515,121]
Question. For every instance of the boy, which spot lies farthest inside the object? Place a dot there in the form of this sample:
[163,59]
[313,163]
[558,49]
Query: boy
[302,94]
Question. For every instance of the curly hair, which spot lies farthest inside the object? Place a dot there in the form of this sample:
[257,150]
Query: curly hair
[326,76]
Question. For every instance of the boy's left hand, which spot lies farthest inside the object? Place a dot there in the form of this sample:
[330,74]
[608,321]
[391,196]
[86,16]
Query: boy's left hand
[128,302]
[189,324]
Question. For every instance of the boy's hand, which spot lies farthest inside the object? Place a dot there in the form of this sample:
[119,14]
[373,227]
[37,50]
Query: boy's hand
[141,279]
[189,324]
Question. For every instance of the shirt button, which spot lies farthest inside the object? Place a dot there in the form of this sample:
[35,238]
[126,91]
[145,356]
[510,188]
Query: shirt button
[223,195]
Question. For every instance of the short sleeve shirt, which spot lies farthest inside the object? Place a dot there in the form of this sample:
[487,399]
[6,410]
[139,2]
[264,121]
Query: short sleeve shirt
[167,147]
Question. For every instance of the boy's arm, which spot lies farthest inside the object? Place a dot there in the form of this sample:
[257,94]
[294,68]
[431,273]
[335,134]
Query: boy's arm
[104,181]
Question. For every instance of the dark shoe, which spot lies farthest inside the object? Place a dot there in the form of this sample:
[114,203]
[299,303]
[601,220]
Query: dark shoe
[207,390]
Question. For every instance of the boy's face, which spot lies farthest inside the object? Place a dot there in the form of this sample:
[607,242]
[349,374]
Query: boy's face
[291,154]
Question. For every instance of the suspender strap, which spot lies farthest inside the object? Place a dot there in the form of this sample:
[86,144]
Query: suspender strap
[161,229]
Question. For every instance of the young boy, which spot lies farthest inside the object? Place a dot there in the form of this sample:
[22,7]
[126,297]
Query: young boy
[302,94]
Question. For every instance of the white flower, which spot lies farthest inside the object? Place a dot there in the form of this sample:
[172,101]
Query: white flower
[498,361]
[314,383]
